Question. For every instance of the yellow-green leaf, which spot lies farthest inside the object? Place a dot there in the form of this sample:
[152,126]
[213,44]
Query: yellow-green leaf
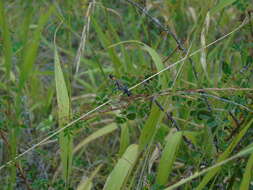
[87,183]
[168,158]
[248,174]
[63,103]
[123,169]
[152,123]
[99,133]
[124,139]
[30,52]
[223,156]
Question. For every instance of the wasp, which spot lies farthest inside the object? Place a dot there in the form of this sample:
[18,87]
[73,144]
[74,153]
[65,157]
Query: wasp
[120,86]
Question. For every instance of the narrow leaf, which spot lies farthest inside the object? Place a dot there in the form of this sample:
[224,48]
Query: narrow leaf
[168,158]
[224,155]
[221,5]
[32,49]
[105,41]
[123,169]
[7,46]
[197,174]
[99,133]
[124,139]
[152,123]
[159,65]
[87,184]
[64,117]
[248,174]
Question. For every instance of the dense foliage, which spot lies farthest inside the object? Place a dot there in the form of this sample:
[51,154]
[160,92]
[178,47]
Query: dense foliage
[126,94]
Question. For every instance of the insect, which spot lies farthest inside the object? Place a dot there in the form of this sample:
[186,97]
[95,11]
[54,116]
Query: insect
[120,86]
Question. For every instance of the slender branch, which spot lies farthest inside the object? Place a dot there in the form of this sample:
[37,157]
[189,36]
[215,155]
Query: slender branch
[173,121]
[237,123]
[178,41]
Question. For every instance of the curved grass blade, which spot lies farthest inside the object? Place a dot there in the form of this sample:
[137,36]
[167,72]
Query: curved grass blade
[123,169]
[99,133]
[87,184]
[159,65]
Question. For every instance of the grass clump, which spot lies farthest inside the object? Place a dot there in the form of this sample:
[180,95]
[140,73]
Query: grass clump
[176,110]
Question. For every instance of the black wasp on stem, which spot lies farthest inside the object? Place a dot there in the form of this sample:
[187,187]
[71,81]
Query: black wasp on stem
[120,86]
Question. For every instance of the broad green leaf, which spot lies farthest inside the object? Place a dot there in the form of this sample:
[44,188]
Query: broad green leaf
[122,170]
[64,114]
[224,155]
[99,133]
[168,158]
[248,174]
[221,5]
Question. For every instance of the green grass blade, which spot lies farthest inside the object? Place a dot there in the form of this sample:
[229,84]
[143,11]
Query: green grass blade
[223,156]
[151,125]
[124,139]
[159,65]
[248,174]
[87,184]
[244,152]
[168,158]
[105,41]
[7,54]
[24,33]
[64,117]
[99,133]
[13,151]
[32,49]
[156,115]
[122,170]
[221,5]
[7,46]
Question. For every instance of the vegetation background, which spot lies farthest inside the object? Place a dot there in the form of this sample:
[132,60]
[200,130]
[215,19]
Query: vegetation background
[188,127]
